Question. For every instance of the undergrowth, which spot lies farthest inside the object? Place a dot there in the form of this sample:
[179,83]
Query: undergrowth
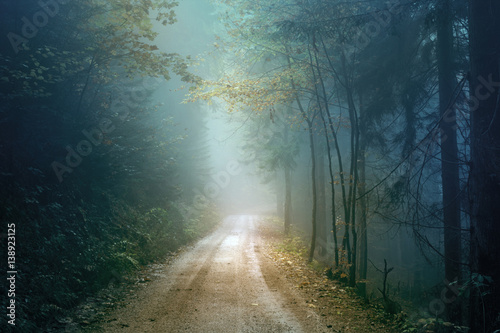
[294,245]
[71,251]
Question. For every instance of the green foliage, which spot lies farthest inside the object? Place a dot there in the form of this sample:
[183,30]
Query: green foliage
[479,282]
[436,325]
[122,263]
[165,231]
[317,266]
[114,211]
[74,258]
[201,221]
[294,245]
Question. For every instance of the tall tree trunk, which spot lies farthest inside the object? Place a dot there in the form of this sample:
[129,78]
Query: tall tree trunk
[321,209]
[279,195]
[326,107]
[288,199]
[363,237]
[314,193]
[353,186]
[485,163]
[288,189]
[332,190]
[449,152]
[310,123]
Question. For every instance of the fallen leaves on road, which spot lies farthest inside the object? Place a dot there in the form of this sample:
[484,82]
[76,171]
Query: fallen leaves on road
[342,309]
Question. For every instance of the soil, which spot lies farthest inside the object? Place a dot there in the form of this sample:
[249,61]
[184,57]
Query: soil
[234,280]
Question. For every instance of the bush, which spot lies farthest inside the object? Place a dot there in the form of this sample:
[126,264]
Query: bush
[66,254]
[201,221]
[294,245]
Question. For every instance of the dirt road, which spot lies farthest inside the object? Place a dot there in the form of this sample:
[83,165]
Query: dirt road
[222,284]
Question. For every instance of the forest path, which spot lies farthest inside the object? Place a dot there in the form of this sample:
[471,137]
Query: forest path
[222,284]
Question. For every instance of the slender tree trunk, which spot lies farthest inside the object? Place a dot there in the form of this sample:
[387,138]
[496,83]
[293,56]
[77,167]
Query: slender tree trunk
[279,195]
[353,186]
[346,198]
[310,122]
[288,199]
[339,156]
[314,194]
[314,189]
[332,190]
[485,164]
[352,220]
[449,153]
[363,246]
[288,189]
[321,209]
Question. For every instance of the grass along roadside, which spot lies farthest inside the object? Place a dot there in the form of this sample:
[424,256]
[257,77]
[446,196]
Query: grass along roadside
[124,284]
[332,299]
[338,304]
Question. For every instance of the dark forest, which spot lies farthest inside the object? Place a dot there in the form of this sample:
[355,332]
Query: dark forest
[358,141]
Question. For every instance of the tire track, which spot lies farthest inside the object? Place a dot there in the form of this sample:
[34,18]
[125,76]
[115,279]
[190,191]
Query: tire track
[222,284]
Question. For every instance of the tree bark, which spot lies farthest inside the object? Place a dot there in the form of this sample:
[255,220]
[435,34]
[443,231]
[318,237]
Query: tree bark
[279,195]
[332,190]
[321,209]
[449,153]
[288,190]
[351,218]
[329,155]
[363,237]
[485,164]
[288,199]
[310,123]
[314,194]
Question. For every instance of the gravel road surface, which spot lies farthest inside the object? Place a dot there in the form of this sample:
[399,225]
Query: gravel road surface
[221,284]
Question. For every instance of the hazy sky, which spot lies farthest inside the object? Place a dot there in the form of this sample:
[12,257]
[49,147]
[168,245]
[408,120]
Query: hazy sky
[231,182]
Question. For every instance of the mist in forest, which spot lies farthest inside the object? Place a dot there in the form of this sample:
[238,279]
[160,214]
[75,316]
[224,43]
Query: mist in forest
[368,130]
[232,180]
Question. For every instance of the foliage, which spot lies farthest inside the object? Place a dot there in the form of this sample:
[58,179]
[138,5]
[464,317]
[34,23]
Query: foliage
[80,256]
[294,244]
[202,221]
[432,325]
[76,99]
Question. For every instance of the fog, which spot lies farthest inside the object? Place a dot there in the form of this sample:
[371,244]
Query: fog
[368,130]
[243,141]
[232,180]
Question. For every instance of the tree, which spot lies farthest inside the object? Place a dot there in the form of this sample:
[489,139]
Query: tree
[484,190]
[281,81]
[84,153]
[275,147]
[449,149]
